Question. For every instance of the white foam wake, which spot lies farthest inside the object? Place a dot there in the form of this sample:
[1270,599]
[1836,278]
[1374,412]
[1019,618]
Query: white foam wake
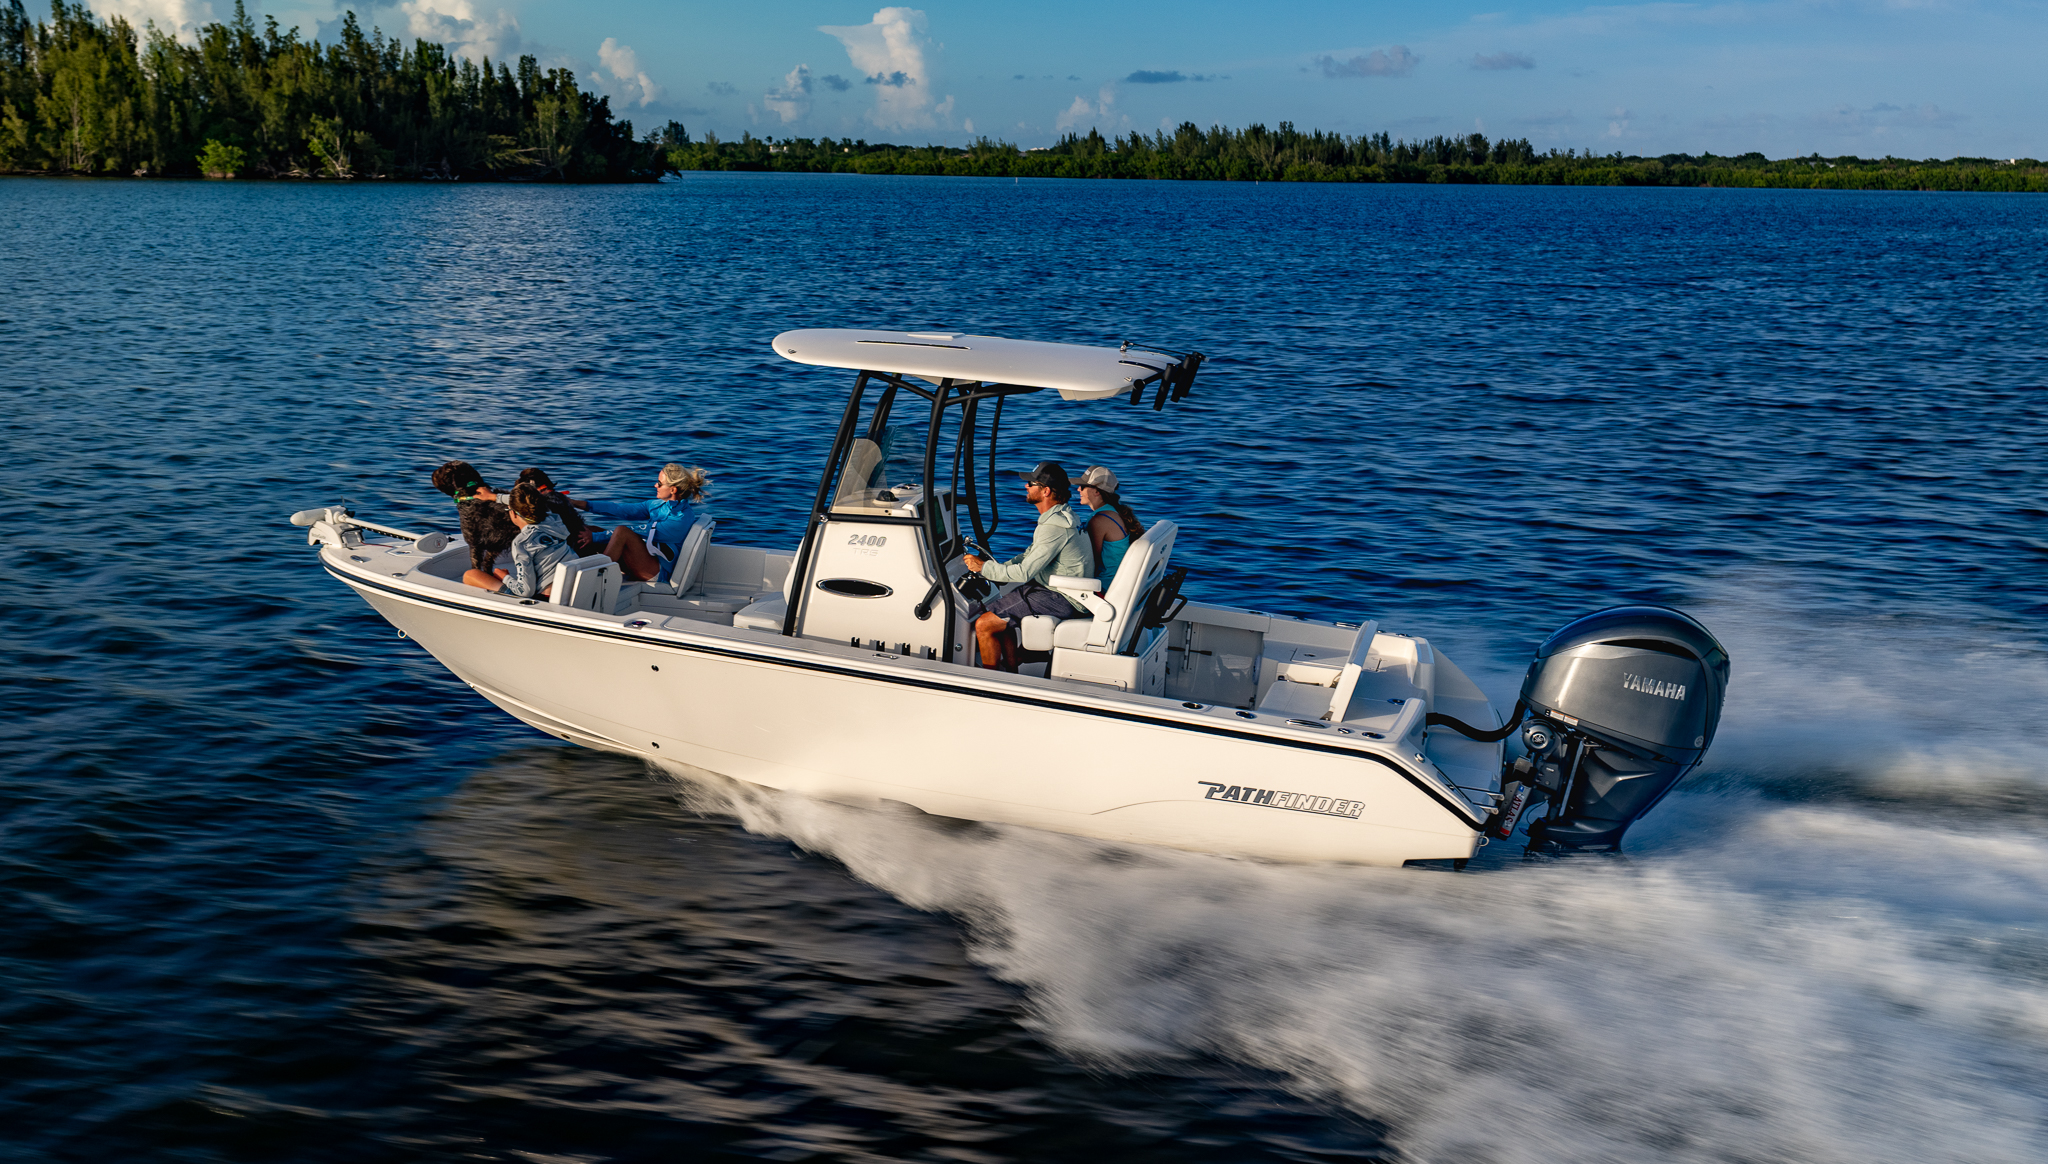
[1772,976]
[1766,982]
[1904,706]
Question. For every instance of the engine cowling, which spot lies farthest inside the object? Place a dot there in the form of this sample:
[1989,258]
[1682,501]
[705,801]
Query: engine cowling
[1622,704]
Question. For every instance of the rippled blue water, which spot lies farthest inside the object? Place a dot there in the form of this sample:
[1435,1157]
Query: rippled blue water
[274,886]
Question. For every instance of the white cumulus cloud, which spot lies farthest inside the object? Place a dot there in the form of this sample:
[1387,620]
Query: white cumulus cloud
[889,52]
[467,33]
[1081,110]
[793,100]
[1099,112]
[180,18]
[624,66]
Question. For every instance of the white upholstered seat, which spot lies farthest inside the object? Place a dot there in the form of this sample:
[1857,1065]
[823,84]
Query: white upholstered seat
[587,583]
[1114,615]
[1354,666]
[689,589]
[682,576]
[765,615]
[1315,683]
[689,565]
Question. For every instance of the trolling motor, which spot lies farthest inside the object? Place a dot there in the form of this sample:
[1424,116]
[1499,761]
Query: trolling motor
[1621,704]
[337,525]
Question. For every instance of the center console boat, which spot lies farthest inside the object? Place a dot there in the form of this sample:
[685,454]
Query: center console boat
[844,667]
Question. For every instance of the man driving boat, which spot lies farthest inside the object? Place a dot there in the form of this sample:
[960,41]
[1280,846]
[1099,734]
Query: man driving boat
[1058,547]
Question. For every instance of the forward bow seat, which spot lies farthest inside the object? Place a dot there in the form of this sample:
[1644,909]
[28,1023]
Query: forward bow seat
[686,592]
[594,583]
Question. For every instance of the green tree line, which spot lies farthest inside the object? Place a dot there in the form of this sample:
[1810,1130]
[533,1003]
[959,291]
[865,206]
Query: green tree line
[80,95]
[1287,154]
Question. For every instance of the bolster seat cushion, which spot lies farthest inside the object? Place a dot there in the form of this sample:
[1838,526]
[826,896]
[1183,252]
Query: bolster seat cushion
[1039,632]
[1034,632]
[1072,633]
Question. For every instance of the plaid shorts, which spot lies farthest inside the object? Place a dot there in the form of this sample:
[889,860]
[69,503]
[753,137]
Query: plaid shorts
[1030,598]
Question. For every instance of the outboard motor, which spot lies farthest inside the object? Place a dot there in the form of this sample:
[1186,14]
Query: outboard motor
[1621,703]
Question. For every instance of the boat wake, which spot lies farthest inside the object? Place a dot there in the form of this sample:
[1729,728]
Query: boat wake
[1794,962]
[1895,709]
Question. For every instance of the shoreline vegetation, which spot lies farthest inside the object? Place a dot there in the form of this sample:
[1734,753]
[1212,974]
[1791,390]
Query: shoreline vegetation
[1287,154]
[85,96]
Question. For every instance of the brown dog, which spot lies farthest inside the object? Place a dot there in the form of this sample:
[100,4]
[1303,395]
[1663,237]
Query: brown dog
[486,526]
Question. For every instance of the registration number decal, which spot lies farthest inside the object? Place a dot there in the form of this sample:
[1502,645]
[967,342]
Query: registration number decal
[1287,801]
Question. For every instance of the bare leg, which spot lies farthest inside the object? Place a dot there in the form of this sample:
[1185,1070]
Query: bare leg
[626,548]
[487,579]
[998,649]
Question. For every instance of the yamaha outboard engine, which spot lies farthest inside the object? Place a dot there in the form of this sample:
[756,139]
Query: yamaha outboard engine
[1621,703]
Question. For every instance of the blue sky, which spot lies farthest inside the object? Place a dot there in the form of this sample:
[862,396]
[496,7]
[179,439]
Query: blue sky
[1912,78]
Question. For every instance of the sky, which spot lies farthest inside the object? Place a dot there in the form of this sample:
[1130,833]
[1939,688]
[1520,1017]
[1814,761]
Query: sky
[1906,78]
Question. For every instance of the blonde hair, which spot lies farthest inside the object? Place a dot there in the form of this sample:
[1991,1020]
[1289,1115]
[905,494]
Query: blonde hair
[688,478]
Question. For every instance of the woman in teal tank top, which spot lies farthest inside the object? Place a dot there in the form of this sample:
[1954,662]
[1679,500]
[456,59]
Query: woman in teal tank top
[1113,528]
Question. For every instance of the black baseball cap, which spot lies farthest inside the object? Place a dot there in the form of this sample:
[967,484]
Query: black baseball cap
[1050,475]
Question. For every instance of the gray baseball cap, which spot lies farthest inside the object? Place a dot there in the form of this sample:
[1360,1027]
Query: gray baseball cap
[1097,477]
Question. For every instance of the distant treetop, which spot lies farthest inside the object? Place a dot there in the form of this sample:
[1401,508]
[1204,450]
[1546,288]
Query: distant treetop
[82,95]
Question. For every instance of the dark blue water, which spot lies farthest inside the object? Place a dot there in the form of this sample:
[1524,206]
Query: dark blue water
[273,886]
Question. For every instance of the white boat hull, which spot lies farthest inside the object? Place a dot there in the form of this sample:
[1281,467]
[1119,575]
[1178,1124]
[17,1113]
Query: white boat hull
[852,725]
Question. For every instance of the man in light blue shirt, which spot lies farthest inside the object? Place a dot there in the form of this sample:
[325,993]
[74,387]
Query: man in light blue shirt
[1058,547]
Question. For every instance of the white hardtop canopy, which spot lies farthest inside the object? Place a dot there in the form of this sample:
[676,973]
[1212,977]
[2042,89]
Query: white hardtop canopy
[1074,371]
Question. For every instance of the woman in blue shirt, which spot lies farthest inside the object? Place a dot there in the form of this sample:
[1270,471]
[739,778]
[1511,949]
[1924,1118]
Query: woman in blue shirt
[1113,528]
[678,499]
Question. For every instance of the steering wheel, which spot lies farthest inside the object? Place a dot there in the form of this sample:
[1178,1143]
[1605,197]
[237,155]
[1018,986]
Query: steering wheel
[971,585]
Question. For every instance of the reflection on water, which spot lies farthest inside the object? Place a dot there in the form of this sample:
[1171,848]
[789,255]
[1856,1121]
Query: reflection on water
[570,961]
